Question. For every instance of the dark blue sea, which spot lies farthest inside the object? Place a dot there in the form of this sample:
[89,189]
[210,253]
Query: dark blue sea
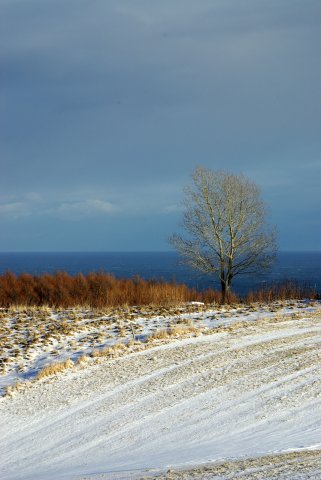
[304,267]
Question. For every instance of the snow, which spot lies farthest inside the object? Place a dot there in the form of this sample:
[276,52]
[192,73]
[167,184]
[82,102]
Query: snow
[248,392]
[39,338]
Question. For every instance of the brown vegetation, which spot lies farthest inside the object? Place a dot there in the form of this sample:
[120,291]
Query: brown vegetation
[99,290]
[54,368]
[286,290]
[95,290]
[175,331]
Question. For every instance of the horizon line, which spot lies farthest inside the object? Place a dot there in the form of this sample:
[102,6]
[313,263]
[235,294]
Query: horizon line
[131,251]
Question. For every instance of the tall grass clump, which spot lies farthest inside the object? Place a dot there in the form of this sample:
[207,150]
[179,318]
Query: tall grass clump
[285,290]
[100,289]
[97,289]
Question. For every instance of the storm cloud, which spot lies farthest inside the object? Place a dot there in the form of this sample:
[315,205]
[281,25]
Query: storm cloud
[107,107]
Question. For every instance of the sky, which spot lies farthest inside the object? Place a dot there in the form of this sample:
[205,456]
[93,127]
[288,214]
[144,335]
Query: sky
[108,106]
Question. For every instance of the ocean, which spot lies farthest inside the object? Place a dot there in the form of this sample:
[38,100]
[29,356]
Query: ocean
[304,267]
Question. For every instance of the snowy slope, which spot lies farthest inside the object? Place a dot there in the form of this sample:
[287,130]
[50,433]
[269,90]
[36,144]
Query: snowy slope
[248,392]
[32,338]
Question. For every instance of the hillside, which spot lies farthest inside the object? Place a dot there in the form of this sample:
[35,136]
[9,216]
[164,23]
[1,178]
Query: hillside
[229,396]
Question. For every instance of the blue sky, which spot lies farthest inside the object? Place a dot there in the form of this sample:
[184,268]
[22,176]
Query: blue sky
[108,106]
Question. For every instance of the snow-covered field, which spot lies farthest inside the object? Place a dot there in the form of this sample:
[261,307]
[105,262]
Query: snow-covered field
[32,338]
[209,406]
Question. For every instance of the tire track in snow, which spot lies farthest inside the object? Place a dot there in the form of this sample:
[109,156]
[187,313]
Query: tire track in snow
[213,391]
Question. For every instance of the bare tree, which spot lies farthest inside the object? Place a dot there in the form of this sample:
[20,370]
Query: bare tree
[225,222]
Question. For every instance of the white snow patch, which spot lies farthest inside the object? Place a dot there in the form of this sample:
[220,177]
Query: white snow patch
[249,393]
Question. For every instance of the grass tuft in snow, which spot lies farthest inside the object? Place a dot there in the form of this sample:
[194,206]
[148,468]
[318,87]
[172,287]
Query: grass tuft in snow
[54,368]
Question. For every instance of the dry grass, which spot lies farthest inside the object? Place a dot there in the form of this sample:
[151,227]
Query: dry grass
[114,351]
[182,327]
[97,290]
[101,290]
[26,331]
[297,464]
[84,359]
[285,290]
[12,389]
[121,349]
[54,368]
[175,331]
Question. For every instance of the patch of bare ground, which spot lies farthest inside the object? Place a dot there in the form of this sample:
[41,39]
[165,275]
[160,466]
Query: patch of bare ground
[287,466]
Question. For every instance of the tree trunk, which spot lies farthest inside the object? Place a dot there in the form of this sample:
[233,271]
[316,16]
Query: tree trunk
[225,288]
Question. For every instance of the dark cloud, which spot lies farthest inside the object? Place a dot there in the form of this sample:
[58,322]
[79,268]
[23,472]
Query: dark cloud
[116,102]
